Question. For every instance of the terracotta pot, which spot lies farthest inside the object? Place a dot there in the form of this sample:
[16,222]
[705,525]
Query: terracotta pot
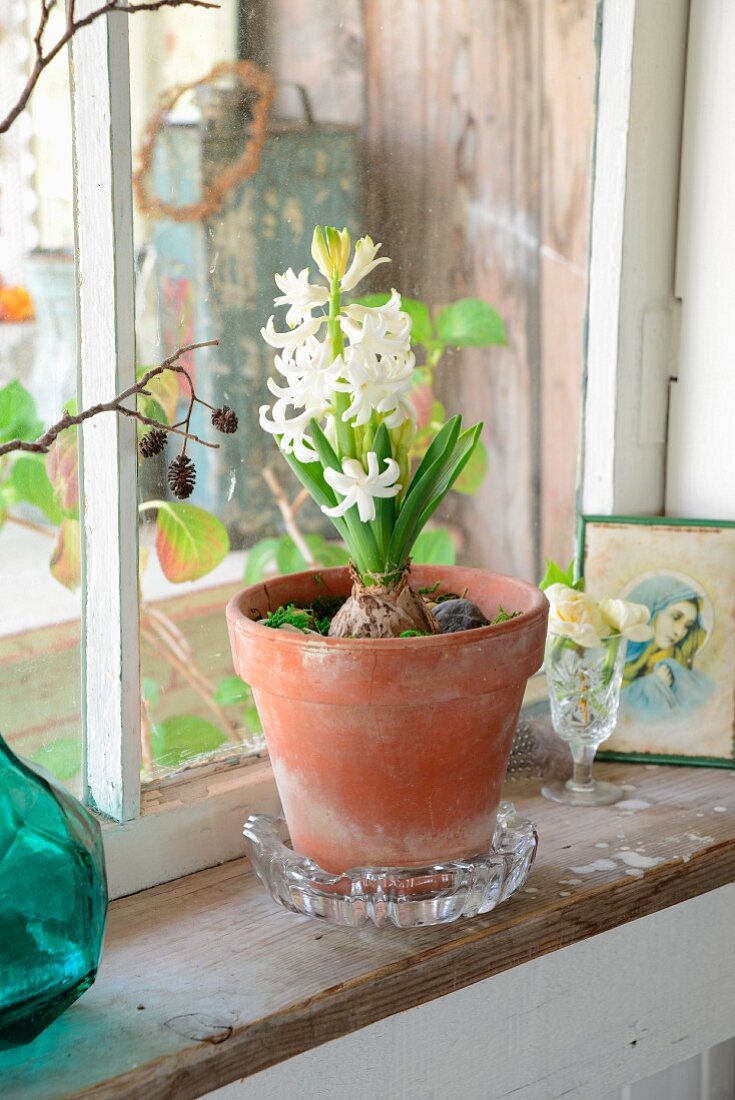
[389,751]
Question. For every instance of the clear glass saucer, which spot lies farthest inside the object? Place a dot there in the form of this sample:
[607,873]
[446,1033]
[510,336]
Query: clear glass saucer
[414,897]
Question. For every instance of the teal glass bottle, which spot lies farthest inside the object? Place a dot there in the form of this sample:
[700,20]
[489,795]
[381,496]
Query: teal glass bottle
[53,900]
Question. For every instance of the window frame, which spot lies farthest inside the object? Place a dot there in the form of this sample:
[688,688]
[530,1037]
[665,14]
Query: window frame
[194,818]
[633,311]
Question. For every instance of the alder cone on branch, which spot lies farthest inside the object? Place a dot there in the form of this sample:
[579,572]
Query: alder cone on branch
[152,443]
[225,420]
[181,476]
[382,611]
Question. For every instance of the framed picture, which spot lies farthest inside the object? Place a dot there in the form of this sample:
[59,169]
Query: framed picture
[677,703]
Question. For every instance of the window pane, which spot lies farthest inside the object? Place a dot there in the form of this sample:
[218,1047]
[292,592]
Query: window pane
[457,136]
[40,603]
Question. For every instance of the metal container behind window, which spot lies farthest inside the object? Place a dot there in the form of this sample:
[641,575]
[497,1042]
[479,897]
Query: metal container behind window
[215,280]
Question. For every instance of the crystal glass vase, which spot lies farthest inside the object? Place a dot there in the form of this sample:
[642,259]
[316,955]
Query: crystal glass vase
[584,693]
[53,900]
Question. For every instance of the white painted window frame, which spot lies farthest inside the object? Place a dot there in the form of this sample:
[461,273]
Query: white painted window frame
[633,313]
[195,819]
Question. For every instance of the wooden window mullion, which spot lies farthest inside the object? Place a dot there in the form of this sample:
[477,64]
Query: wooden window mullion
[108,466]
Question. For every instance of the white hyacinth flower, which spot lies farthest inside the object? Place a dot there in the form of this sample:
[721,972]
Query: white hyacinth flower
[375,336]
[391,311]
[301,295]
[292,431]
[361,487]
[311,377]
[294,338]
[382,385]
[362,264]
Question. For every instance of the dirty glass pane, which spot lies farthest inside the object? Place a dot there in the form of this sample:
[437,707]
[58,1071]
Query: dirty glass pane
[459,137]
[40,601]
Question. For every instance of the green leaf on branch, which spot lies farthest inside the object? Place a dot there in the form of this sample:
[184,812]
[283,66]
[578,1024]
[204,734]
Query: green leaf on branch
[66,559]
[470,323]
[62,467]
[184,737]
[30,483]
[434,548]
[474,473]
[330,553]
[190,543]
[164,397]
[260,557]
[252,720]
[232,691]
[281,555]
[289,558]
[18,419]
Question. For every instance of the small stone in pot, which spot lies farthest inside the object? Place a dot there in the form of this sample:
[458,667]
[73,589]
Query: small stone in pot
[454,615]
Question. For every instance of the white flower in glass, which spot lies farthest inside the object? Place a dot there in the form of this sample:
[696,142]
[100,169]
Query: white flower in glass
[629,619]
[576,615]
[361,487]
[301,295]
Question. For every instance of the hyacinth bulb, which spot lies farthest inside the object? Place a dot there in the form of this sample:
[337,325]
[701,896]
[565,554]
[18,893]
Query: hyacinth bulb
[53,900]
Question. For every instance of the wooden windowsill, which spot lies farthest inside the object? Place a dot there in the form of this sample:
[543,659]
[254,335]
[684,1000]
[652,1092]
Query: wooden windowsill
[205,980]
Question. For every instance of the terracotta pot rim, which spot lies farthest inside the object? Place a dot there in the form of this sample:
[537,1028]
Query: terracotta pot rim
[242,621]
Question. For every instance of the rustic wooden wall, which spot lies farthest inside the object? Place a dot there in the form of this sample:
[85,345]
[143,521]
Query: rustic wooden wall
[479,131]
[478,118]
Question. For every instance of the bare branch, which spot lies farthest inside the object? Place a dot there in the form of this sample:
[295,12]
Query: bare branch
[288,513]
[158,634]
[73,26]
[44,442]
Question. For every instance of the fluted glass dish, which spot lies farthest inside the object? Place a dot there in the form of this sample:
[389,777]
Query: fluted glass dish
[414,897]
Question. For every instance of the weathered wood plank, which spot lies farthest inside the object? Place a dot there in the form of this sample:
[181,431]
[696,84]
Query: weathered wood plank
[569,73]
[212,952]
[318,44]
[453,116]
